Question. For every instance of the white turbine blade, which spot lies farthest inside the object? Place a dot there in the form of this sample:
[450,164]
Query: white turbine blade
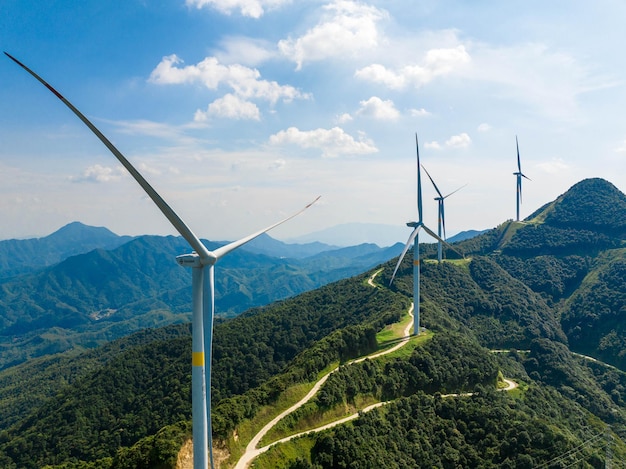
[436,236]
[524,176]
[174,219]
[223,250]
[431,180]
[419,182]
[454,192]
[519,164]
[406,248]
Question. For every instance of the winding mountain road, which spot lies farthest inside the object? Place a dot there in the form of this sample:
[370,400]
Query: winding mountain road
[252,451]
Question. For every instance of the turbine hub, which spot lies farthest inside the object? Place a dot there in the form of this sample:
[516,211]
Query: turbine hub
[413,224]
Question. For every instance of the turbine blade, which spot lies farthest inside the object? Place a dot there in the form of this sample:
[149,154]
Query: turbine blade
[431,180]
[406,248]
[223,250]
[434,235]
[519,164]
[519,188]
[454,192]
[524,176]
[174,219]
[419,182]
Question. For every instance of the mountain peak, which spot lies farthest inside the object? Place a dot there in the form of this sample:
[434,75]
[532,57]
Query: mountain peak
[593,204]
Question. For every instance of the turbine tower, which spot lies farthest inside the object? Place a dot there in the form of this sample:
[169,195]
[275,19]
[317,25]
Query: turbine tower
[441,223]
[414,238]
[201,261]
[519,175]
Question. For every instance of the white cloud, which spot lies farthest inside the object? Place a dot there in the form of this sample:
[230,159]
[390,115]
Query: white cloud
[348,29]
[98,173]
[245,50]
[343,118]
[251,8]
[244,81]
[436,63]
[462,140]
[432,145]
[378,109]
[332,142]
[484,127]
[419,112]
[459,141]
[231,107]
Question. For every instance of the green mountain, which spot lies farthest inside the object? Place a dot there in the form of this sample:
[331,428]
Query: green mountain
[20,256]
[528,295]
[101,295]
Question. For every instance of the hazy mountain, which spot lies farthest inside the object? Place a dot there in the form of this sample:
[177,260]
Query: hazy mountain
[18,256]
[352,234]
[269,246]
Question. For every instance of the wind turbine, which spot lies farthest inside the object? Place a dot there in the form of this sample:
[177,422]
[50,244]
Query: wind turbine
[441,223]
[519,175]
[414,238]
[202,262]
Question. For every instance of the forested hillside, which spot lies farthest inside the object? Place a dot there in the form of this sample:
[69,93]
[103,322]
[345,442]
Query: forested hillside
[526,297]
[88,299]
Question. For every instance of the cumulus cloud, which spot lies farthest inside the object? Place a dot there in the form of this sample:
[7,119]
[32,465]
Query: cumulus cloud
[433,145]
[378,109]
[332,142]
[436,63]
[459,141]
[98,173]
[347,29]
[419,112]
[343,118]
[456,141]
[484,127]
[244,81]
[251,8]
[231,107]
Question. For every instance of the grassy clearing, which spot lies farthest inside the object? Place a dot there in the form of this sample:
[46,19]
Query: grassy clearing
[393,332]
[284,454]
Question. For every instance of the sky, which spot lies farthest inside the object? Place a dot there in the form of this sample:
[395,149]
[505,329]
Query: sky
[241,112]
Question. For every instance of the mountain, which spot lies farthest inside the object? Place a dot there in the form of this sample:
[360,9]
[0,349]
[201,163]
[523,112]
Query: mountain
[350,234]
[463,235]
[269,246]
[524,299]
[101,295]
[28,255]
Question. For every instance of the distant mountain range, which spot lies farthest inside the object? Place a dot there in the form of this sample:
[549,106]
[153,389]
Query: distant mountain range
[94,286]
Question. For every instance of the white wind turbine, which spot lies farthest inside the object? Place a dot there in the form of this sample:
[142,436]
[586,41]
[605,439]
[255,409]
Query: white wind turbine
[441,222]
[519,175]
[201,261]
[414,238]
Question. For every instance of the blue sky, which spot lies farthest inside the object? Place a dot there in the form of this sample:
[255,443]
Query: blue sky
[240,112]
